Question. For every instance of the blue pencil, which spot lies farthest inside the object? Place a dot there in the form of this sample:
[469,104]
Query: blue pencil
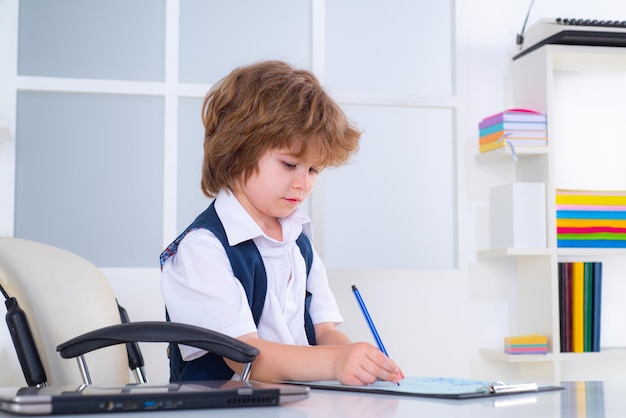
[368,318]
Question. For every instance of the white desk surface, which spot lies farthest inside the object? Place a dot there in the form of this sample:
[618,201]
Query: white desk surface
[598,400]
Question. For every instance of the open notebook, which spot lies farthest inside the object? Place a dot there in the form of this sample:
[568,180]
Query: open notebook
[437,387]
[53,400]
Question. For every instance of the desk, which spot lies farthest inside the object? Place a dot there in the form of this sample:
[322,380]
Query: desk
[599,399]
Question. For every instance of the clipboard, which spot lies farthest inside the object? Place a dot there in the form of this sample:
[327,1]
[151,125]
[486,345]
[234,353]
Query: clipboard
[438,387]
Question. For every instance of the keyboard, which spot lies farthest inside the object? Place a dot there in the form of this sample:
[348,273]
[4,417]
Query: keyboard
[566,31]
[589,22]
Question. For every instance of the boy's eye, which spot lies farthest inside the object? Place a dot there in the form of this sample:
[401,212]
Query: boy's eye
[292,166]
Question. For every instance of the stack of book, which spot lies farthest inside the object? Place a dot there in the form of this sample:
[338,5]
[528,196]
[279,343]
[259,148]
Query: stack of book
[590,219]
[513,127]
[526,344]
[580,306]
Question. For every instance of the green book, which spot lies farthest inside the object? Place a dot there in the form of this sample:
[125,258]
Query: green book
[588,308]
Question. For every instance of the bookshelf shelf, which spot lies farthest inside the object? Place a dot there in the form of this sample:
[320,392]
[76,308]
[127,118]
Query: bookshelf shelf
[574,86]
[500,355]
[591,252]
[513,252]
[506,153]
[607,354]
[564,254]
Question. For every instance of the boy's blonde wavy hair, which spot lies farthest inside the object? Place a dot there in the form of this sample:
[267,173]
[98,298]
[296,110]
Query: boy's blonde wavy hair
[264,106]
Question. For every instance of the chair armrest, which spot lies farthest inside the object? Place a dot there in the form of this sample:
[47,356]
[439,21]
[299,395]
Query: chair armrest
[173,332]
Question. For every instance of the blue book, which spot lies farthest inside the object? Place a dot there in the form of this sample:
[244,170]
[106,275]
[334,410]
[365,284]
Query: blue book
[591,214]
[591,243]
[513,126]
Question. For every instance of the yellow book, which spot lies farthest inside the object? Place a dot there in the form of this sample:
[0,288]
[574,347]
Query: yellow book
[578,315]
[491,146]
[583,199]
[526,339]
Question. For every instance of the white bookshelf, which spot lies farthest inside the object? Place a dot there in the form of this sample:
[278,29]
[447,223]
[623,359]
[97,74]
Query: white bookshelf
[586,149]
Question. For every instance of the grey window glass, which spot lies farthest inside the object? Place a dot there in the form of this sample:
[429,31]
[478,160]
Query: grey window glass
[89,175]
[191,201]
[393,206]
[101,39]
[217,36]
[394,60]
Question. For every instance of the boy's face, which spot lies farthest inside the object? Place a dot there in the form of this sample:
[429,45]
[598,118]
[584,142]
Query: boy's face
[280,184]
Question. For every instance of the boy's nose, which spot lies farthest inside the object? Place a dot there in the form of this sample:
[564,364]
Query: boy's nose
[301,181]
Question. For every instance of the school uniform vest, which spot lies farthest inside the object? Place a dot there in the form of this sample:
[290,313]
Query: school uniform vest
[248,267]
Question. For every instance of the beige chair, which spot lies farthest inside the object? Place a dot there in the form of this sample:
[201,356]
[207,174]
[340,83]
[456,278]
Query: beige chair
[64,296]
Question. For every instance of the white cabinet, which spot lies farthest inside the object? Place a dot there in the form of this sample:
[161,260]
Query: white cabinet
[582,91]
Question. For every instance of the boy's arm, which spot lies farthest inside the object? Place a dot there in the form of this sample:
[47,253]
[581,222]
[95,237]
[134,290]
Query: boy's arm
[327,334]
[351,364]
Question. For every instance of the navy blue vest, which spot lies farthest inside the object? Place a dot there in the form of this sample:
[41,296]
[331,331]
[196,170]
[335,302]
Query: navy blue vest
[248,267]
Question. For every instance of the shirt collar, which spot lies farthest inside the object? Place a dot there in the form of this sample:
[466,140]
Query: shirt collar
[240,226]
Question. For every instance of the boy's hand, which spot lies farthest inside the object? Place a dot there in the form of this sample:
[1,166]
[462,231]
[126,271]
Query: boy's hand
[360,364]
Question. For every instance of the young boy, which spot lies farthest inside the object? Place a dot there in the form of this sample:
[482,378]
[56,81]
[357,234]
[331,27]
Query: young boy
[246,266]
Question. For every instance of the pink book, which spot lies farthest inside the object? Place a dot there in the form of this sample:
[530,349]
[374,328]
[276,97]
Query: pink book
[513,115]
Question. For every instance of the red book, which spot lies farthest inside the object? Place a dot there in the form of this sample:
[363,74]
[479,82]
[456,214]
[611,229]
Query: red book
[565,305]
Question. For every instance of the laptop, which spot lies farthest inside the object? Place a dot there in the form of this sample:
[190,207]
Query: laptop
[52,400]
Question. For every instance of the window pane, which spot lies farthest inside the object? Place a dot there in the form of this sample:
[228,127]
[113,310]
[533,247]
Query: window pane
[103,39]
[393,206]
[191,201]
[89,177]
[215,36]
[394,60]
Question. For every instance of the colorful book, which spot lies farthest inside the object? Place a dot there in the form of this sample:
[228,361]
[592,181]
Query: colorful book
[597,306]
[513,115]
[517,135]
[589,243]
[589,230]
[593,236]
[501,136]
[578,315]
[590,214]
[590,223]
[565,305]
[571,305]
[562,328]
[588,307]
[541,349]
[526,339]
[579,197]
[513,126]
[526,344]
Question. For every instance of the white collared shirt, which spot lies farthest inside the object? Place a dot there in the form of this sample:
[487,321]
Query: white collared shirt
[199,287]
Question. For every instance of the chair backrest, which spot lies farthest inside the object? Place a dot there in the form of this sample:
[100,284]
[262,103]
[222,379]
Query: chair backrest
[63,295]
